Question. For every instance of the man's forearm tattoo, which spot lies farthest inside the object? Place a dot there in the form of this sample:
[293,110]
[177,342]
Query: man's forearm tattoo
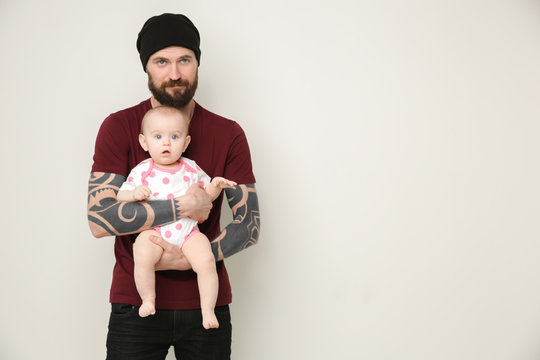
[244,230]
[106,215]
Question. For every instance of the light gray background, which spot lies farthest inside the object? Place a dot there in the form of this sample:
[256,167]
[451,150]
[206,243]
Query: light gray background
[395,145]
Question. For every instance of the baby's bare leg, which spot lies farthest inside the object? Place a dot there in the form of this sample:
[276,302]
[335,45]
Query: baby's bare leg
[146,254]
[199,254]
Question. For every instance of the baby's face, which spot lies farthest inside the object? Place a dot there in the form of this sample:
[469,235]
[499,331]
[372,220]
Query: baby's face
[166,137]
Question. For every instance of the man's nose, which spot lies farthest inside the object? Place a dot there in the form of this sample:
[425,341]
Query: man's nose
[174,74]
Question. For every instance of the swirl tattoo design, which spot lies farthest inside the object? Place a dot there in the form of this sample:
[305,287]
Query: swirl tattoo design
[108,216]
[244,230]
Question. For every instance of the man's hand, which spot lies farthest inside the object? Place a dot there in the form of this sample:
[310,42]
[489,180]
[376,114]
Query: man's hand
[195,204]
[172,258]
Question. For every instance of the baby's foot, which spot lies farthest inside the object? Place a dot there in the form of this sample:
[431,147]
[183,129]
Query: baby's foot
[209,320]
[147,308]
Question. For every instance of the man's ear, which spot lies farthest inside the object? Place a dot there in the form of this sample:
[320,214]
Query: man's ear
[142,141]
[186,142]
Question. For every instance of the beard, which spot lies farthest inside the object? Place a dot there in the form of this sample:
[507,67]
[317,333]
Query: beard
[179,97]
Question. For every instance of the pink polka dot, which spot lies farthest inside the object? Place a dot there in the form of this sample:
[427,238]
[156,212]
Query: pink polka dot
[170,196]
[178,226]
[167,234]
[152,174]
[201,182]
[145,183]
[130,178]
[143,174]
[186,178]
[166,180]
[155,194]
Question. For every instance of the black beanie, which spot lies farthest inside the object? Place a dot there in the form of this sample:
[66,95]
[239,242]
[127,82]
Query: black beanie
[165,30]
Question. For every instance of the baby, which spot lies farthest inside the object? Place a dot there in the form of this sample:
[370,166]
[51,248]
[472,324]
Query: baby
[167,175]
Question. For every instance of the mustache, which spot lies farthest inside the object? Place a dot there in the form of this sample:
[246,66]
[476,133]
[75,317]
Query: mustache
[178,82]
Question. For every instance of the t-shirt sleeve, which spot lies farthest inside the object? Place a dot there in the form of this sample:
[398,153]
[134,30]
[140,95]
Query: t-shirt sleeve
[239,168]
[112,148]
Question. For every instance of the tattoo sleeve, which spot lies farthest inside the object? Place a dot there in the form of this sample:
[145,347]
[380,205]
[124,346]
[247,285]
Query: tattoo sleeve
[108,216]
[244,230]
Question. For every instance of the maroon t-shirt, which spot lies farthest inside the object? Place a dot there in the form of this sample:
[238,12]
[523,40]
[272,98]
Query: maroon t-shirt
[220,148]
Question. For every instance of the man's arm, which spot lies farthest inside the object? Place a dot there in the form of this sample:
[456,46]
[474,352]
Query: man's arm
[240,234]
[244,230]
[108,216]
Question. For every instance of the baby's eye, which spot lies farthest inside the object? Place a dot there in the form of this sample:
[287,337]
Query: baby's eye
[174,137]
[158,137]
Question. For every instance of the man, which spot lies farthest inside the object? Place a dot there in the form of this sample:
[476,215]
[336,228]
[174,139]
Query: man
[168,45]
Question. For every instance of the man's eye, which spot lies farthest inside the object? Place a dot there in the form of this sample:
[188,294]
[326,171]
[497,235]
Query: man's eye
[161,62]
[184,61]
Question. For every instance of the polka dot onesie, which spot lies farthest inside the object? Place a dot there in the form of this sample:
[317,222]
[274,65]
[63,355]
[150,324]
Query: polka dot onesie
[169,184]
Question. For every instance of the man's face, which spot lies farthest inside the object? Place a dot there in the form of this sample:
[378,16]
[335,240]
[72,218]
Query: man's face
[173,76]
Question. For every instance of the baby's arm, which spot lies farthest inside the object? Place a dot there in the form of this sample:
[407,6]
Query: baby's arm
[140,193]
[213,189]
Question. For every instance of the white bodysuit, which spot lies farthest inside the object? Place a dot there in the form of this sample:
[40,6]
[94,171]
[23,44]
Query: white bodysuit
[169,184]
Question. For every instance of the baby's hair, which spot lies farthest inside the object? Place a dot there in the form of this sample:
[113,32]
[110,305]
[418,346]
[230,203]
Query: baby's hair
[167,110]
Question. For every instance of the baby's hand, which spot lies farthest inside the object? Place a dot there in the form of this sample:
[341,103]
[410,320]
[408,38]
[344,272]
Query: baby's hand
[223,183]
[141,192]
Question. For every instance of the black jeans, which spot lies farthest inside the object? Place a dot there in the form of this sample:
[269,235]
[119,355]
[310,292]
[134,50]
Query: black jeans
[132,337]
